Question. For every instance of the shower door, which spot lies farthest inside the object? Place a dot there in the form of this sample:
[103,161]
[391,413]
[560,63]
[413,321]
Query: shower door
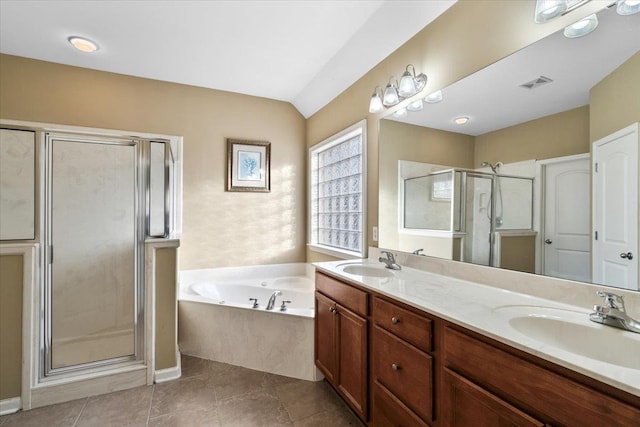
[93,293]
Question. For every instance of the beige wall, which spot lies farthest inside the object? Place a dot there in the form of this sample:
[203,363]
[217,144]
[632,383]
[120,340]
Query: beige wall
[10,325]
[467,37]
[557,135]
[166,304]
[615,101]
[219,228]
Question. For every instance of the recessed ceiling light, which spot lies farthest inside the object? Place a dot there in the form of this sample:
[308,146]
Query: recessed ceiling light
[461,120]
[83,44]
[401,113]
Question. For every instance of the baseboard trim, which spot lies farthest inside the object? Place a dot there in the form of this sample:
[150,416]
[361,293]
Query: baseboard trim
[168,374]
[9,406]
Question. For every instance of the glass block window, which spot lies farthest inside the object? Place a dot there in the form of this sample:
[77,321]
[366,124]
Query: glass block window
[337,179]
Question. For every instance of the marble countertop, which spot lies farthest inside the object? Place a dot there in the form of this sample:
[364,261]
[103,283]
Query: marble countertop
[488,311]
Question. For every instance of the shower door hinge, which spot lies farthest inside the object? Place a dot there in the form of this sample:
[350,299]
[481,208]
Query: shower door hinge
[596,235]
[595,165]
[51,254]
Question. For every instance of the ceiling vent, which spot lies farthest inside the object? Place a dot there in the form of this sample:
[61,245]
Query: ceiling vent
[536,83]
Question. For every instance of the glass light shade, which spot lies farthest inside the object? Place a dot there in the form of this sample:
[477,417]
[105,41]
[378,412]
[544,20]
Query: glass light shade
[549,9]
[628,7]
[407,85]
[375,105]
[582,27]
[400,113]
[83,44]
[390,96]
[415,105]
[434,97]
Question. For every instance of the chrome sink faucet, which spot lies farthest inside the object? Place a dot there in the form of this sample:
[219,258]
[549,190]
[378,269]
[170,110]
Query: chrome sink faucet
[613,313]
[389,261]
[272,300]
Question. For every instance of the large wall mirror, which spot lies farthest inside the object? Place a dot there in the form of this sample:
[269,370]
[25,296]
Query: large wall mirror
[513,186]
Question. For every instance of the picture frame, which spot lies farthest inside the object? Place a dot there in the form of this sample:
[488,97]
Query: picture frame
[248,166]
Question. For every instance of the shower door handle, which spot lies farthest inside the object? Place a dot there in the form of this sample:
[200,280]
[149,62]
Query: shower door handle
[548,241]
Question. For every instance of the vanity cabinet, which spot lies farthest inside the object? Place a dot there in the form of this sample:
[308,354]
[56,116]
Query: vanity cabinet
[341,340]
[426,371]
[402,366]
[488,381]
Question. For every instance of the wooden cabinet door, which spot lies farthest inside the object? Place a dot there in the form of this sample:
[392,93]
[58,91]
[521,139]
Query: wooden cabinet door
[326,343]
[352,354]
[468,405]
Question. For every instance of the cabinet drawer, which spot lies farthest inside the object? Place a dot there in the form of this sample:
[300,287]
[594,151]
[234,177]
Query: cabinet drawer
[405,371]
[532,388]
[388,411]
[348,296]
[407,325]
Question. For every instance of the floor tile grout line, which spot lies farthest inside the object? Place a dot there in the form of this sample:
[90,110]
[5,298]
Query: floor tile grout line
[86,400]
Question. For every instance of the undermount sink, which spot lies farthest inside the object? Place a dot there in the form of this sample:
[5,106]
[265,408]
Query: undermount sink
[365,270]
[572,331]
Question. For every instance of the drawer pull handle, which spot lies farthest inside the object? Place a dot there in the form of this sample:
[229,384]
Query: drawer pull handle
[395,367]
[395,320]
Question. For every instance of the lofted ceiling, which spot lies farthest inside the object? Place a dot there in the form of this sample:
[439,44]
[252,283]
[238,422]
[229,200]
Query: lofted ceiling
[305,52]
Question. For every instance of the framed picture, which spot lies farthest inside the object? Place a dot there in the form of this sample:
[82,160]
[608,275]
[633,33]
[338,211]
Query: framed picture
[248,165]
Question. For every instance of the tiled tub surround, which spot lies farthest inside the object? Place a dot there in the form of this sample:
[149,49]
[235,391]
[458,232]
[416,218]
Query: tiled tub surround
[216,320]
[427,284]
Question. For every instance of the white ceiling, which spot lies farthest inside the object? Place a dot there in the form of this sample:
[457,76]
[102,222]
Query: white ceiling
[493,99]
[305,52]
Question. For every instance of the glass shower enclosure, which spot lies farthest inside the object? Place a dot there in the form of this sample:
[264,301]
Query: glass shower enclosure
[468,206]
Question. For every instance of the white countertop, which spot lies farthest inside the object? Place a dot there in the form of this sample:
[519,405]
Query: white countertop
[487,310]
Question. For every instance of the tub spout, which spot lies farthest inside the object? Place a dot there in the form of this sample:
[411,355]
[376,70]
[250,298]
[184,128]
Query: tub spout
[272,300]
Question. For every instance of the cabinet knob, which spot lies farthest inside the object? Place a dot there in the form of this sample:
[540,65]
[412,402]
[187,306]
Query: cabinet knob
[333,310]
[395,320]
[395,367]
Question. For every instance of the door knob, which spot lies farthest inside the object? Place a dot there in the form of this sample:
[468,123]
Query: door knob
[627,255]
[548,241]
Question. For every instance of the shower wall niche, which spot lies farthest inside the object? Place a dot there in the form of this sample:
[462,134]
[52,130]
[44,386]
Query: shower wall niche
[467,209]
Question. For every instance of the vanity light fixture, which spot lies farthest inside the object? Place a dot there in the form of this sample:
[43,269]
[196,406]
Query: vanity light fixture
[582,27]
[461,120]
[401,113]
[546,10]
[434,97]
[394,93]
[391,96]
[410,84]
[628,7]
[415,105]
[375,105]
[83,44]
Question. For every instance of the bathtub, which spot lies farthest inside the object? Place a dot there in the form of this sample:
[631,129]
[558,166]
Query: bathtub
[217,321]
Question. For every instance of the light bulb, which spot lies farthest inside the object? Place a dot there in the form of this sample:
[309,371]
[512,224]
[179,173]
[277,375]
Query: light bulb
[400,113]
[434,97]
[375,105]
[390,96]
[415,105]
[582,27]
[407,85]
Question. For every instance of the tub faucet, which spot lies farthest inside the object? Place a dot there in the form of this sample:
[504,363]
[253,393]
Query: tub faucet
[389,261]
[613,313]
[272,300]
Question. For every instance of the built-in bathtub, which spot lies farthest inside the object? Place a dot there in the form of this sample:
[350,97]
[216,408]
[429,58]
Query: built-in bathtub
[217,321]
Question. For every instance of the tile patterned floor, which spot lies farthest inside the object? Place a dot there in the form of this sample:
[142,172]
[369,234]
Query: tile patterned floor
[208,394]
